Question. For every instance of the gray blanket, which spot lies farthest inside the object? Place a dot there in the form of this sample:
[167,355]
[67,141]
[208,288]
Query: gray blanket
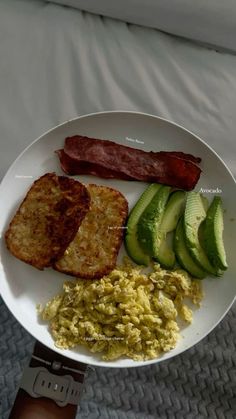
[200,383]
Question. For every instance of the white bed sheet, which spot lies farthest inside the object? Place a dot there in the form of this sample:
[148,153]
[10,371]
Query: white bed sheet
[211,21]
[57,63]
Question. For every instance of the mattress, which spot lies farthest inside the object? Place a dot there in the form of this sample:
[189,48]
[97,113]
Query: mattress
[58,63]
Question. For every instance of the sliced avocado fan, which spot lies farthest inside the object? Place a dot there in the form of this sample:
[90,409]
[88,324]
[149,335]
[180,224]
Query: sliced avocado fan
[150,221]
[173,211]
[213,234]
[194,215]
[133,248]
[182,254]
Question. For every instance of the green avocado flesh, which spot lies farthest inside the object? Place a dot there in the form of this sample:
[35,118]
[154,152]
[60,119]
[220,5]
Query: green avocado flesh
[168,226]
[182,254]
[213,234]
[133,248]
[150,221]
[194,215]
[175,206]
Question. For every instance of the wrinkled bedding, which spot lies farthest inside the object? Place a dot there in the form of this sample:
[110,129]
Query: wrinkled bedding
[60,63]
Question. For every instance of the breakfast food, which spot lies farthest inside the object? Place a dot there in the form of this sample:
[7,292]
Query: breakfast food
[150,221]
[104,158]
[126,313]
[47,220]
[213,234]
[94,250]
[132,245]
[196,231]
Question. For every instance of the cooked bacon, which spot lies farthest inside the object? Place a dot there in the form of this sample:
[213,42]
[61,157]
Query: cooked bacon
[84,155]
[74,167]
[184,156]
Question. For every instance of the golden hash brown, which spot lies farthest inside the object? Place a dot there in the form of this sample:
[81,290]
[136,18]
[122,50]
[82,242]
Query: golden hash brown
[47,220]
[94,250]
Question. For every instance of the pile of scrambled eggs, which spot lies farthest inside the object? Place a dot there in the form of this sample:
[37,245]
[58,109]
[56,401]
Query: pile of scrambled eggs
[126,313]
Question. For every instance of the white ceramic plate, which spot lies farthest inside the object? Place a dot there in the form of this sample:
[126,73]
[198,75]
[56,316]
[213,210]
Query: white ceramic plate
[23,286]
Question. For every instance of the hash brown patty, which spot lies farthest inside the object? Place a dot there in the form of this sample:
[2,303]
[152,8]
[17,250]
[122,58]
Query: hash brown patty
[94,250]
[47,220]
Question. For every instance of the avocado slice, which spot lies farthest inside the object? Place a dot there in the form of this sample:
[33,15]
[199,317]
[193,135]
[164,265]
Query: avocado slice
[150,221]
[182,254]
[213,234]
[194,215]
[174,209]
[132,245]
[205,202]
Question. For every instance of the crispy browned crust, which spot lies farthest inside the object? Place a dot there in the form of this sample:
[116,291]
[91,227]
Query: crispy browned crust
[47,220]
[93,252]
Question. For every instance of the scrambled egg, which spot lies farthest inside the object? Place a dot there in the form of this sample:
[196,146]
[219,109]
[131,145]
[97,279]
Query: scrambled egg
[126,313]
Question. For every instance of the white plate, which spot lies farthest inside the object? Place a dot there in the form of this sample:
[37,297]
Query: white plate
[23,286]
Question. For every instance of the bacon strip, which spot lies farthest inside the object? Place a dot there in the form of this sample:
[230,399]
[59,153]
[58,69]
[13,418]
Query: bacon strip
[74,167]
[103,158]
[184,156]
